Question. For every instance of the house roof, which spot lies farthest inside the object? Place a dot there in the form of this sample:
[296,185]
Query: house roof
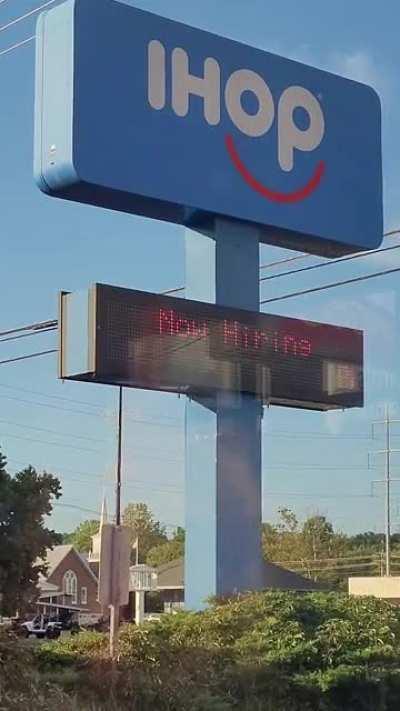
[46,587]
[55,557]
[171,576]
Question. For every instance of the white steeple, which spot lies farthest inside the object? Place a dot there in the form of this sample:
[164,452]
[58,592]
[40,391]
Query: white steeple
[94,555]
[104,515]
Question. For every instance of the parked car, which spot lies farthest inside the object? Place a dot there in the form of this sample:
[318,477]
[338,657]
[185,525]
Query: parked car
[41,626]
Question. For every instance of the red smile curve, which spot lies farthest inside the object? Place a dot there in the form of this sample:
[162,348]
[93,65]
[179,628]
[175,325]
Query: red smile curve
[272,195]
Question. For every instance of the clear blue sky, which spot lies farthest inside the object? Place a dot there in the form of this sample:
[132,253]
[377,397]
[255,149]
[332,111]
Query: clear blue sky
[47,245]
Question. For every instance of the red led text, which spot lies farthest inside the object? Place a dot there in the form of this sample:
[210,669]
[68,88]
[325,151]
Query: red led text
[254,339]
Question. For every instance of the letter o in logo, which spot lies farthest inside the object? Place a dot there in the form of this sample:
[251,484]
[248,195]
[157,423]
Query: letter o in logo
[251,125]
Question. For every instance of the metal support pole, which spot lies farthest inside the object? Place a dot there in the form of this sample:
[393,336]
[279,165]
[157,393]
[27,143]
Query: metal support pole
[387,492]
[114,609]
[139,607]
[119,459]
[223,433]
[114,625]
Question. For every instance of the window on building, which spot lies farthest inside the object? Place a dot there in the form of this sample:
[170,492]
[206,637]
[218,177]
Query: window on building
[70,585]
[83,596]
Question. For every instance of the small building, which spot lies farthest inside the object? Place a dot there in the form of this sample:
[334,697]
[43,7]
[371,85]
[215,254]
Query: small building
[70,580]
[383,587]
[171,584]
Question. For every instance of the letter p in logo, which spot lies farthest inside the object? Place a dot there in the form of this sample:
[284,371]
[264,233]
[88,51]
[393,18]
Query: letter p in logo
[290,136]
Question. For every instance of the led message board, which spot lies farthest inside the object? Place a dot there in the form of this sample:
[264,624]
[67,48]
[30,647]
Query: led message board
[136,339]
[141,114]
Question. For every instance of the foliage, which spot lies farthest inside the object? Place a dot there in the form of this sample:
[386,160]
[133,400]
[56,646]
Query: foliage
[313,548]
[268,651]
[144,528]
[81,537]
[166,552]
[21,686]
[26,499]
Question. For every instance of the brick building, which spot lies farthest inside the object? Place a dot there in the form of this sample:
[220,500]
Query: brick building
[69,574]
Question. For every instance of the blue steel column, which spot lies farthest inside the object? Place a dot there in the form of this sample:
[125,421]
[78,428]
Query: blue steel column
[223,434]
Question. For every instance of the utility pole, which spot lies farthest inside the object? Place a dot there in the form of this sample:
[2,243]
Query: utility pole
[388,451]
[387,497]
[114,608]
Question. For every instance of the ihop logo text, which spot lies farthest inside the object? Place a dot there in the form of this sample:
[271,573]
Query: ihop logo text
[291,137]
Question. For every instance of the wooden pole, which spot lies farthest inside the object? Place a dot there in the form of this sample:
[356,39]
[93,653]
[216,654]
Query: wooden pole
[114,608]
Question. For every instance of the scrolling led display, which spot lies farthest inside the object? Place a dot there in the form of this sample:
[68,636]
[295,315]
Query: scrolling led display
[164,343]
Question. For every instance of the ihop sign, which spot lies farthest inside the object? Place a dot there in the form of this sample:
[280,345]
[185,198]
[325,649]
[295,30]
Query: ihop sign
[152,117]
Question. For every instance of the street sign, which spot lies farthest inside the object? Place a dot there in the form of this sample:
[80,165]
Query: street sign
[150,116]
[114,565]
[136,339]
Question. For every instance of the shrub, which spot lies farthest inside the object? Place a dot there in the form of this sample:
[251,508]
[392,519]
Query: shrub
[259,652]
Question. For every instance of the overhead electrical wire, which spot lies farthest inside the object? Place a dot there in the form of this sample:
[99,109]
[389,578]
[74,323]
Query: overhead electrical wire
[35,10]
[38,326]
[7,50]
[50,397]
[26,335]
[52,444]
[333,285]
[28,357]
[45,326]
[58,433]
[359,255]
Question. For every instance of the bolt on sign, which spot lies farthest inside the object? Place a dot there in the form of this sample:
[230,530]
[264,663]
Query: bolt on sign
[136,339]
[150,116]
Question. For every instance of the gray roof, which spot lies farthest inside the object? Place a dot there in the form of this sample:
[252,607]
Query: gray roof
[44,586]
[171,576]
[56,556]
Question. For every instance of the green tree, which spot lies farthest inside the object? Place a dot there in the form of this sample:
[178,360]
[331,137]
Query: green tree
[312,548]
[283,541]
[81,537]
[144,528]
[318,535]
[26,499]
[166,552]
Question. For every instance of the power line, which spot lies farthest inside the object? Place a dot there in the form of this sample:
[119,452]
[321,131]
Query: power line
[92,478]
[345,568]
[52,444]
[51,397]
[359,255]
[53,324]
[74,506]
[27,357]
[305,561]
[270,265]
[52,407]
[76,411]
[315,435]
[58,433]
[333,285]
[38,326]
[26,335]
[16,45]
[27,14]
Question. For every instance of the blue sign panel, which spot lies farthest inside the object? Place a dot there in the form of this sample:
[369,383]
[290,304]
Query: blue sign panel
[137,113]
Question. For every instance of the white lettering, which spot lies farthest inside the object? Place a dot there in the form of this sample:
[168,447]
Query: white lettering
[290,136]
[184,84]
[157,75]
[253,125]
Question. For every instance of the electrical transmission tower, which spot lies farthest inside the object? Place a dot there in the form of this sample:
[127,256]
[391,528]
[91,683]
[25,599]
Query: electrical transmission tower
[388,480]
